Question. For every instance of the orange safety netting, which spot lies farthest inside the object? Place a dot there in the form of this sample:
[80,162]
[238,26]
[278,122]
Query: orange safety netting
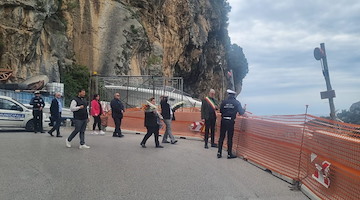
[323,155]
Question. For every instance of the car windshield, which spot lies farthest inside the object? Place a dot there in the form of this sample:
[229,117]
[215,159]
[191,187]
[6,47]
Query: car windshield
[18,102]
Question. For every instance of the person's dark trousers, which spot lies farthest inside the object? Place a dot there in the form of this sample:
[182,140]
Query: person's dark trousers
[150,131]
[38,118]
[117,131]
[97,121]
[57,124]
[80,126]
[226,126]
[210,127]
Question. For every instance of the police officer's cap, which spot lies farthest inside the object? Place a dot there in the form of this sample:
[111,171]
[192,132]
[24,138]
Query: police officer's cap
[230,91]
[37,92]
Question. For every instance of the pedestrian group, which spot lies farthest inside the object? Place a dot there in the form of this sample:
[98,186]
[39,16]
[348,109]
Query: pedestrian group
[152,121]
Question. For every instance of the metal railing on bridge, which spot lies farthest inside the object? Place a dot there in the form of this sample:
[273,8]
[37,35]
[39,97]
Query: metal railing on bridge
[135,90]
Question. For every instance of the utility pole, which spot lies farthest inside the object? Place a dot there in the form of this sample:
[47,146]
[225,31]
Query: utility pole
[320,54]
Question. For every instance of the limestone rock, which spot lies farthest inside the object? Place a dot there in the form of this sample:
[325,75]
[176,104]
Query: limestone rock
[118,37]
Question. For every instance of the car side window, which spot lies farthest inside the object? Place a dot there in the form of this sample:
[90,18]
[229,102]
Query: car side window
[8,105]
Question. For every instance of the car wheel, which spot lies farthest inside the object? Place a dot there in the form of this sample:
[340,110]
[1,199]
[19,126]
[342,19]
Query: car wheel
[30,126]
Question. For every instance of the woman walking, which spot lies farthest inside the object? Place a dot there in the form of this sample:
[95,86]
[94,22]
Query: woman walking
[152,123]
[96,112]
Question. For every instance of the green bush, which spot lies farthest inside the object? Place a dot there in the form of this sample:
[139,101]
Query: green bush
[74,78]
[73,4]
[154,60]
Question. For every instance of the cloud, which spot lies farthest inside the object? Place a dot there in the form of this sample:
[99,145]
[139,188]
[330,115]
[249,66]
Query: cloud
[278,39]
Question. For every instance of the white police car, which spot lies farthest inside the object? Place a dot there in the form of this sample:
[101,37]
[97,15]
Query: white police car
[13,114]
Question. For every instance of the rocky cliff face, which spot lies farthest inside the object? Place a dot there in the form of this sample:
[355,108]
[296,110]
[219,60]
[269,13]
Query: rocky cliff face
[31,38]
[117,37]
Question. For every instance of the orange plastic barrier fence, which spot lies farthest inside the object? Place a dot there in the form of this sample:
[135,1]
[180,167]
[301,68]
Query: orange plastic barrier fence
[134,120]
[335,143]
[321,154]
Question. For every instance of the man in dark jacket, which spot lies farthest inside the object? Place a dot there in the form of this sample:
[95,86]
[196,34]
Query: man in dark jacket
[38,104]
[167,114]
[55,111]
[79,107]
[208,115]
[117,109]
[228,108]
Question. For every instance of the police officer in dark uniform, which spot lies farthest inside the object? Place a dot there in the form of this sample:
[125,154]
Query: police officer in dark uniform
[38,104]
[228,108]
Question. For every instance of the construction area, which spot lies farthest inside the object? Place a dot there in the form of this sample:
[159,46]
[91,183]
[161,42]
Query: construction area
[317,156]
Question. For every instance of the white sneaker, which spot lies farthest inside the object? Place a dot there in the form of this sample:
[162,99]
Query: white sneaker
[95,133]
[68,144]
[102,132]
[84,146]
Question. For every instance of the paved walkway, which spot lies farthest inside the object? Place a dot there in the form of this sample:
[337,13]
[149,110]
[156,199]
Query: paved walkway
[37,166]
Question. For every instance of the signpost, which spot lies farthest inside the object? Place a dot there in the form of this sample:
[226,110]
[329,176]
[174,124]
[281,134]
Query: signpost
[320,54]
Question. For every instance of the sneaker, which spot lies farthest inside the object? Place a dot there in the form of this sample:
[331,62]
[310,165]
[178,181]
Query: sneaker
[68,144]
[96,133]
[142,145]
[159,146]
[102,132]
[84,146]
[174,142]
[218,155]
[206,146]
[231,156]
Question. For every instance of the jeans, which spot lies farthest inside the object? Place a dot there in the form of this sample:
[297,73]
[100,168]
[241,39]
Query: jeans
[57,123]
[168,132]
[150,131]
[80,126]
[117,122]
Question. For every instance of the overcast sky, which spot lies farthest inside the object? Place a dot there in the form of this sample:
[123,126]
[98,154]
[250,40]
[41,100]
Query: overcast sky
[278,39]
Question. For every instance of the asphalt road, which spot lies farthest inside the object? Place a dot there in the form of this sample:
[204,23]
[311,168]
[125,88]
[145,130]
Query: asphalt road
[37,166]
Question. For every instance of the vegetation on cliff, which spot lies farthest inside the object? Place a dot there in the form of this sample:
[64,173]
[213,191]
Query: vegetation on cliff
[352,115]
[74,77]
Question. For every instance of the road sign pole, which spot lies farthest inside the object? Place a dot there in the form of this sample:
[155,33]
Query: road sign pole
[327,80]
